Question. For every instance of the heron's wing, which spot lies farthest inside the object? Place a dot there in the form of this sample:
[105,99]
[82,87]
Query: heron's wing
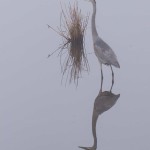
[100,43]
[104,52]
[109,54]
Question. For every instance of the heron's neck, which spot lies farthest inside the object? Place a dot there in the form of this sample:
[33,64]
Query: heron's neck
[94,31]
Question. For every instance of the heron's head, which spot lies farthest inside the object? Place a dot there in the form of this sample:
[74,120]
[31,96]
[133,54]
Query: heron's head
[92,1]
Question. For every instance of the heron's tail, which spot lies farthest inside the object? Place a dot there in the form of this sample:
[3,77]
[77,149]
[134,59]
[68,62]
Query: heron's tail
[116,64]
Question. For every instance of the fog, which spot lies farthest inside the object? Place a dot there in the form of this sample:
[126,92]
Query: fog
[38,112]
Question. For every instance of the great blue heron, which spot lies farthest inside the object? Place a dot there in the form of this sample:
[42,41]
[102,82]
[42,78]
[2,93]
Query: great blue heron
[102,50]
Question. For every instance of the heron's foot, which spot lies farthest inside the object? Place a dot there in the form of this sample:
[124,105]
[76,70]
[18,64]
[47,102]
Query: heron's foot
[88,148]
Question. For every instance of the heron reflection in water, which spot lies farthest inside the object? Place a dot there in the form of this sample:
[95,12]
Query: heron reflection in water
[103,102]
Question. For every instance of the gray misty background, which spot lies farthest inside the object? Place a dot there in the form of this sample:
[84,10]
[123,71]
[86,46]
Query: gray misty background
[38,113]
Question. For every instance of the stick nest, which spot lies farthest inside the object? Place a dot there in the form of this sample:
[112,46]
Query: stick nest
[72,30]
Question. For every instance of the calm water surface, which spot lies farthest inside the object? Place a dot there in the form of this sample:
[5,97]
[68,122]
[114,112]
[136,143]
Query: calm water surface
[37,112]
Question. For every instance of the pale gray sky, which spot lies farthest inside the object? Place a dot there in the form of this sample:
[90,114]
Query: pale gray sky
[37,112]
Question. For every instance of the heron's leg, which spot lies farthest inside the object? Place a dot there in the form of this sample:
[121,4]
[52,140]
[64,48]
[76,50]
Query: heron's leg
[101,78]
[112,78]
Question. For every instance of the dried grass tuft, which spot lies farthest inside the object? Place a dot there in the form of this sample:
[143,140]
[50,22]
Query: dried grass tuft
[72,30]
